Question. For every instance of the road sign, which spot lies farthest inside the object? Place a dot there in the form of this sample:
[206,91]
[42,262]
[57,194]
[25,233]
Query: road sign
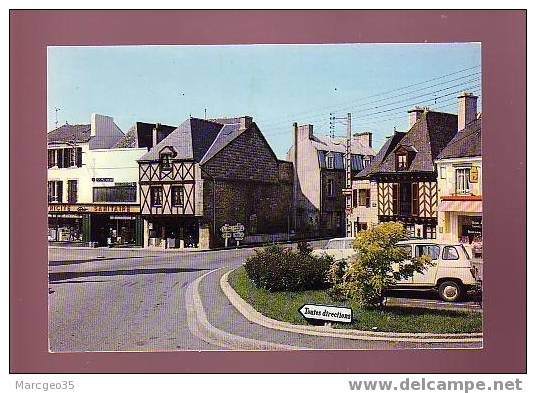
[238,235]
[232,228]
[326,313]
[226,235]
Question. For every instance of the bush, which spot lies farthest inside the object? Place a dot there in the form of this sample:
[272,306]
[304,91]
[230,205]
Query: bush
[282,269]
[378,265]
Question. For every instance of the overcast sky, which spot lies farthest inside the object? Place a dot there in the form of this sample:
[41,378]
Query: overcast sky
[276,84]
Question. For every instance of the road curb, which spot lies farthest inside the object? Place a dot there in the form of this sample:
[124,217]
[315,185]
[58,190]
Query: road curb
[199,325]
[256,317]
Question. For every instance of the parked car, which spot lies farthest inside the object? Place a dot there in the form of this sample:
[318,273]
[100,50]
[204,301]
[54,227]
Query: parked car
[338,248]
[452,273]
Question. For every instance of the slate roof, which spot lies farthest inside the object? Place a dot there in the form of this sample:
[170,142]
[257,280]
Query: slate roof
[141,135]
[387,148]
[76,133]
[198,139]
[466,143]
[427,138]
[338,144]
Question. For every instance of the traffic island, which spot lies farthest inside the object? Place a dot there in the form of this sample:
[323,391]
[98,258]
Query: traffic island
[280,310]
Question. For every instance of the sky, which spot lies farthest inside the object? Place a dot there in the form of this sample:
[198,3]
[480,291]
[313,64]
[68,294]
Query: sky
[275,84]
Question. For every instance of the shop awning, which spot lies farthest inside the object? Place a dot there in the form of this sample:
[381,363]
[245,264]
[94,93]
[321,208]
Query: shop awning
[460,206]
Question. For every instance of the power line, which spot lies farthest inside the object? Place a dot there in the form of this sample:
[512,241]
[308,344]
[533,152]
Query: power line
[394,90]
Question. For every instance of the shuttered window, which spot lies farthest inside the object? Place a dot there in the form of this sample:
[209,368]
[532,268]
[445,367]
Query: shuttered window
[396,198]
[415,199]
[72,191]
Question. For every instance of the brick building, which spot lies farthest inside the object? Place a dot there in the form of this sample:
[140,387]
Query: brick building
[208,173]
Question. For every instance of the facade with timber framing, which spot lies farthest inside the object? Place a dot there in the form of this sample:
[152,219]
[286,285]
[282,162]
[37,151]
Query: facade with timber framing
[404,172]
[208,173]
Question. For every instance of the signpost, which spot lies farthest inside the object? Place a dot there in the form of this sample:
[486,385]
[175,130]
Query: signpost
[326,313]
[235,231]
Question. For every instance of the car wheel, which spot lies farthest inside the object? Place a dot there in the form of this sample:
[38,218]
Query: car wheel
[450,291]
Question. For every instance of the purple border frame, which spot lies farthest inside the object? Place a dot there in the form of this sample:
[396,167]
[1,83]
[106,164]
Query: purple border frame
[503,37]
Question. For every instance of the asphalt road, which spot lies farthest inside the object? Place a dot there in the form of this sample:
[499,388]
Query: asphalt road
[134,300]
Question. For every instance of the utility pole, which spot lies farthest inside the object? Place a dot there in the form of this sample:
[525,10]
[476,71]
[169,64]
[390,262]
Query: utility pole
[348,191]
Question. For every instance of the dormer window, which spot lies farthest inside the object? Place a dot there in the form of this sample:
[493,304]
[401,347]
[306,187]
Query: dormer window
[366,162]
[330,161]
[165,161]
[402,162]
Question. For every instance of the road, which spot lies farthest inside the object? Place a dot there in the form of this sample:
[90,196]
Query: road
[140,300]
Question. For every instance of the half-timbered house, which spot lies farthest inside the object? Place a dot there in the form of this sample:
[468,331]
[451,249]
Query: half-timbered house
[405,175]
[209,173]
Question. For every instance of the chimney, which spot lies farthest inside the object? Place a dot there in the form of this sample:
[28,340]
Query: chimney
[305,131]
[466,109]
[155,135]
[365,138]
[101,124]
[245,122]
[414,115]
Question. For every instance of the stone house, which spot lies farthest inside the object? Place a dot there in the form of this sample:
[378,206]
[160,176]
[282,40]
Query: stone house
[208,173]
[320,172]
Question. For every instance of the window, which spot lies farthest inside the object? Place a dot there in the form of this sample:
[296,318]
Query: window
[329,161]
[427,249]
[415,199]
[79,157]
[59,158]
[462,181]
[450,253]
[366,162]
[72,191]
[401,162]
[165,162]
[330,189]
[177,196]
[156,196]
[354,197]
[430,232]
[396,199]
[52,158]
[364,197]
[69,158]
[115,194]
[442,172]
[55,191]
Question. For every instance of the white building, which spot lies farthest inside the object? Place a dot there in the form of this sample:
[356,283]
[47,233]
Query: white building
[92,186]
[459,180]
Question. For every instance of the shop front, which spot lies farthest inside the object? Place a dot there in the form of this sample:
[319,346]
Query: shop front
[173,232]
[96,225]
[68,227]
[460,220]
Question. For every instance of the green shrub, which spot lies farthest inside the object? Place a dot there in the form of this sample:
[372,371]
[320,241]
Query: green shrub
[282,269]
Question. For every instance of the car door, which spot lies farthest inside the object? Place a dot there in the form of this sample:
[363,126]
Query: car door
[428,276]
[396,267]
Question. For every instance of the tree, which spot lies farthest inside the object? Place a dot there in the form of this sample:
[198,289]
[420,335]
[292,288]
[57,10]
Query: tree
[379,263]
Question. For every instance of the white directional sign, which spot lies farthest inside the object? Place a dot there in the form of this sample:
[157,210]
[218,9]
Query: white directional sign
[326,313]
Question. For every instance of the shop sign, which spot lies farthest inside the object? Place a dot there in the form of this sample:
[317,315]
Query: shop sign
[473,175]
[102,179]
[93,208]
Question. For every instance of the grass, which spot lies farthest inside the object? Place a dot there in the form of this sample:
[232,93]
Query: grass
[284,306]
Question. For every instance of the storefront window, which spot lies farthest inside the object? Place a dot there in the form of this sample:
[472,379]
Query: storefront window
[65,228]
